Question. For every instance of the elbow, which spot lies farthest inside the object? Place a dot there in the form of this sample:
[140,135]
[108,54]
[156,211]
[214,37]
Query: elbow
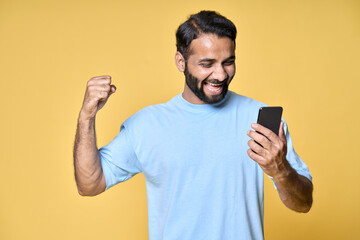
[90,187]
[87,193]
[82,193]
[306,206]
[308,201]
[301,205]
[306,209]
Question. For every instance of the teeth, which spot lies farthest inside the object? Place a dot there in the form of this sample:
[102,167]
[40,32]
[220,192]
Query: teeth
[215,85]
[215,88]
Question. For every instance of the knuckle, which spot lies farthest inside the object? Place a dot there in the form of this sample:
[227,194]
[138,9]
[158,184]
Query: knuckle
[272,134]
[91,90]
[250,153]
[257,148]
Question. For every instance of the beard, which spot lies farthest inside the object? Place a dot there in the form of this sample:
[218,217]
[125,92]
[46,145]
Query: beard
[192,82]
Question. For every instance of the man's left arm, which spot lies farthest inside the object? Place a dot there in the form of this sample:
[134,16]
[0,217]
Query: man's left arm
[294,189]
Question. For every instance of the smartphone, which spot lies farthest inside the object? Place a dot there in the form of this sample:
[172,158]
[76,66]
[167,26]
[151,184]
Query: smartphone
[270,117]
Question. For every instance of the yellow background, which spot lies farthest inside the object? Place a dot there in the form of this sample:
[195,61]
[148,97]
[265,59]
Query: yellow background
[303,55]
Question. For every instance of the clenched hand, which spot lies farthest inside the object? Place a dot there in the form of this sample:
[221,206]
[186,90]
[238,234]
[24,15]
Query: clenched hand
[98,91]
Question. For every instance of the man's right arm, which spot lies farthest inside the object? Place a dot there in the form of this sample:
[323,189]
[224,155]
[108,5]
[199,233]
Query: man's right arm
[89,176]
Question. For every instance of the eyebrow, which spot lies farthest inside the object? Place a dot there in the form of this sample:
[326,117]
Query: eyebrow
[230,58]
[207,60]
[213,60]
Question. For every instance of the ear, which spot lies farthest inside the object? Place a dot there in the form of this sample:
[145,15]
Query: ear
[180,61]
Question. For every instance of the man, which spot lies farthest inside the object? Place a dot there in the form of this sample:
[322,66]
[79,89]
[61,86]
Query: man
[203,168]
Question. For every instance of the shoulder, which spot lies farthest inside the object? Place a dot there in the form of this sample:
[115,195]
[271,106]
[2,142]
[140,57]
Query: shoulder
[151,114]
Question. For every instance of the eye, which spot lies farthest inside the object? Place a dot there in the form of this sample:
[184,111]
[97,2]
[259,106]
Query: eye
[206,65]
[229,63]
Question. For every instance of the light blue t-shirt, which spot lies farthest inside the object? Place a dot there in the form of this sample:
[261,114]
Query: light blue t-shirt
[200,182]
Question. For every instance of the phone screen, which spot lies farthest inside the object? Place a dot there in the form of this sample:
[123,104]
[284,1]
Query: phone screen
[270,117]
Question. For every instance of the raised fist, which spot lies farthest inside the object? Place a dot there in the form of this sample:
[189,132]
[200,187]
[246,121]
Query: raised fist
[98,91]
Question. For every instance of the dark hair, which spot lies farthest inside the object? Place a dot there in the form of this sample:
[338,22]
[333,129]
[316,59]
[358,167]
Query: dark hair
[203,22]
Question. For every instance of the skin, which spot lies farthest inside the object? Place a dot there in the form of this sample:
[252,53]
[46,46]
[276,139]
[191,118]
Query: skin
[211,61]
[89,176]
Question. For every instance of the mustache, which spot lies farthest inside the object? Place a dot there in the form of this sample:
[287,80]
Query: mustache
[215,81]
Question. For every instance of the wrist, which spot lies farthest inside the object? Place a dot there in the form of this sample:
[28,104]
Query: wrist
[86,121]
[84,117]
[285,173]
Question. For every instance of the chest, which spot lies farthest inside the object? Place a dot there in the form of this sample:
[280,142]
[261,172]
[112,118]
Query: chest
[194,150]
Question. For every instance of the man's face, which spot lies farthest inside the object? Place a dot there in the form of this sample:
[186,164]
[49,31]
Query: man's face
[209,69]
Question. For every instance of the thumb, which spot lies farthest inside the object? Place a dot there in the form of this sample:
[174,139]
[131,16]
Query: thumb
[112,89]
[282,132]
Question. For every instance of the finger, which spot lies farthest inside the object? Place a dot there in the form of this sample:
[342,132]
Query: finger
[99,81]
[112,89]
[282,132]
[257,148]
[265,131]
[93,90]
[264,141]
[102,77]
[97,92]
[256,157]
[103,96]
[95,98]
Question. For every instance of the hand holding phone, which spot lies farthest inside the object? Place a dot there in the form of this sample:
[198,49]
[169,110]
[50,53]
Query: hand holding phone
[268,146]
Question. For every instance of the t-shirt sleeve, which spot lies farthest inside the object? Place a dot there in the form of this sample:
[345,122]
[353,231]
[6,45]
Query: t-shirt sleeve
[293,158]
[118,159]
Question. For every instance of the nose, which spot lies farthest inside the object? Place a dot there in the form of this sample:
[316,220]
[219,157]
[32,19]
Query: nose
[219,73]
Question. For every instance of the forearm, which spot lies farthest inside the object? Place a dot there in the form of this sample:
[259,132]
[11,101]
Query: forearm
[88,171]
[295,190]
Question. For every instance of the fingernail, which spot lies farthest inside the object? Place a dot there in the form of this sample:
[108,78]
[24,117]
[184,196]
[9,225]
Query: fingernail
[248,132]
[253,125]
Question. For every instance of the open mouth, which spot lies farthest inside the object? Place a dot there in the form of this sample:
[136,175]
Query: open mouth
[215,88]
